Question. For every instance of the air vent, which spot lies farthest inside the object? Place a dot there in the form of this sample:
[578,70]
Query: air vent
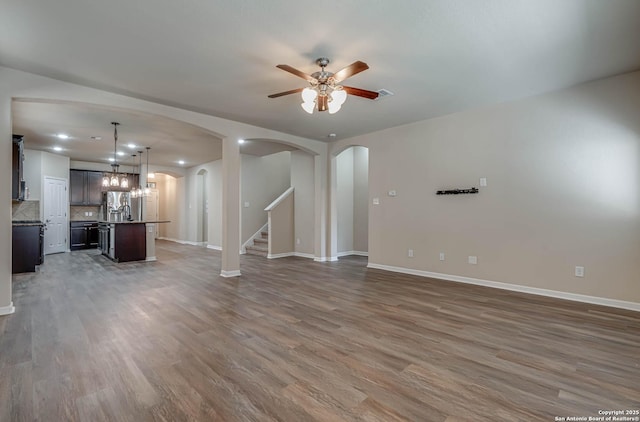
[383,93]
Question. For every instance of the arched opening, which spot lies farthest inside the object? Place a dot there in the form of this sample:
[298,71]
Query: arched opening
[352,202]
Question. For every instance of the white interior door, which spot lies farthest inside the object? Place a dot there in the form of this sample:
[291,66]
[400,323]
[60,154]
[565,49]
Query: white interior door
[55,215]
[151,208]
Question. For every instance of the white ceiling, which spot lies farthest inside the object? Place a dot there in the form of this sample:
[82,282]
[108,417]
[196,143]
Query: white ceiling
[219,57]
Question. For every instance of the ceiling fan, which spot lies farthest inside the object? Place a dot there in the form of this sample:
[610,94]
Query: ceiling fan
[325,91]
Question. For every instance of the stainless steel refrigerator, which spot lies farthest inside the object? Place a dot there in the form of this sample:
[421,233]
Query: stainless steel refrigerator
[119,206]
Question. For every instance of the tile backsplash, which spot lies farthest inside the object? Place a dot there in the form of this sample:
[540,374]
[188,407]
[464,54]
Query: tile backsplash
[25,210]
[83,213]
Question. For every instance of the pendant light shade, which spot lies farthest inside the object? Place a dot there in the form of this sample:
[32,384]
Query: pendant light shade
[115,180]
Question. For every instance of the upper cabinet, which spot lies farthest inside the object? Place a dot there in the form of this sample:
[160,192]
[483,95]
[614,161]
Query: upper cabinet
[17,182]
[85,187]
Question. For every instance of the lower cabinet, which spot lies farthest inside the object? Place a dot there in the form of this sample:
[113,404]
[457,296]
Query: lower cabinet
[123,242]
[84,235]
[27,248]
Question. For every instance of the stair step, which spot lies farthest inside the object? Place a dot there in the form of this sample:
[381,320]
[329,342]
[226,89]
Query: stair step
[265,235]
[262,241]
[257,250]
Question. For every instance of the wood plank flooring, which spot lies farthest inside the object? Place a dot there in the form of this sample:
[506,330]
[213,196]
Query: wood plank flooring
[295,340]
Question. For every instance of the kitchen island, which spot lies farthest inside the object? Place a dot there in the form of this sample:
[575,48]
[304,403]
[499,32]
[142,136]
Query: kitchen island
[126,241]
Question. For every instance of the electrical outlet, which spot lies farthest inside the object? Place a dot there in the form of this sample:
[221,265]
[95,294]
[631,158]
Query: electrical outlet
[376,201]
[246,204]
[392,193]
[410,253]
[441,256]
[90,213]
[473,259]
[579,271]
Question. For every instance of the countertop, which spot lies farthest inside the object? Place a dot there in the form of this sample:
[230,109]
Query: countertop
[23,223]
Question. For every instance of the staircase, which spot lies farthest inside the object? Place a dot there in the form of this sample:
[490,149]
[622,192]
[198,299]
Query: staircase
[260,245]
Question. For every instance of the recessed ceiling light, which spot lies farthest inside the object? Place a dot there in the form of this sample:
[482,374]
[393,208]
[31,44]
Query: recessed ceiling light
[96,138]
[132,146]
[241,141]
[181,162]
[57,149]
[62,136]
[120,153]
[112,159]
[332,135]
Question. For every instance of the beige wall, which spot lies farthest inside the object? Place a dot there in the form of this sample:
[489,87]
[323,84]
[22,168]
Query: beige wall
[344,198]
[563,173]
[360,199]
[302,174]
[263,179]
[282,227]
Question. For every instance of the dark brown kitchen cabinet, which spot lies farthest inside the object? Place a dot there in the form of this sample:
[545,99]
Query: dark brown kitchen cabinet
[85,187]
[27,248]
[17,181]
[84,235]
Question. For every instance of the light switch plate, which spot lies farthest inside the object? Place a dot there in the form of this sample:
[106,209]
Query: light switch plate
[483,181]
[376,201]
[473,259]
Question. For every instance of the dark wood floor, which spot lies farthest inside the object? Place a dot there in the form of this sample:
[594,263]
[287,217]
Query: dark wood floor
[294,340]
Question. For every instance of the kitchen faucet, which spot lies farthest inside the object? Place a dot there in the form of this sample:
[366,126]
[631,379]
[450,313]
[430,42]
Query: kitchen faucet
[126,212]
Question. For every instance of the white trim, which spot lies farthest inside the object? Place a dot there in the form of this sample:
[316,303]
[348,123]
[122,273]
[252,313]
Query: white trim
[280,255]
[279,199]
[249,241]
[6,310]
[182,242]
[227,274]
[151,259]
[214,247]
[632,306]
[296,254]
[326,259]
[347,253]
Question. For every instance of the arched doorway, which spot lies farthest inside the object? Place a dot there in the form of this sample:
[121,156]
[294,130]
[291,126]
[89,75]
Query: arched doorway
[352,202]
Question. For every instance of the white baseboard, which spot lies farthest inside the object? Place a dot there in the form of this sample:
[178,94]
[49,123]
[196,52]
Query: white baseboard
[151,259]
[214,247]
[347,253]
[227,274]
[6,310]
[183,242]
[286,254]
[632,306]
[326,259]
[280,255]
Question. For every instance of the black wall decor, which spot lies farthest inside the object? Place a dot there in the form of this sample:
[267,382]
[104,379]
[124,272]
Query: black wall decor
[457,191]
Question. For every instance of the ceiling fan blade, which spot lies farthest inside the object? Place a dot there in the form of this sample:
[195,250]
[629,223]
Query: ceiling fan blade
[280,94]
[372,95]
[296,72]
[350,70]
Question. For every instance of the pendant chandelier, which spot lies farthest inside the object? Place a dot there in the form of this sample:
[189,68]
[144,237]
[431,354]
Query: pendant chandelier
[115,179]
[136,191]
[147,189]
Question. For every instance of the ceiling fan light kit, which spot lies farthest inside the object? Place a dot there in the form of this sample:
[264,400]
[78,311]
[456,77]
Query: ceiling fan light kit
[325,92]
